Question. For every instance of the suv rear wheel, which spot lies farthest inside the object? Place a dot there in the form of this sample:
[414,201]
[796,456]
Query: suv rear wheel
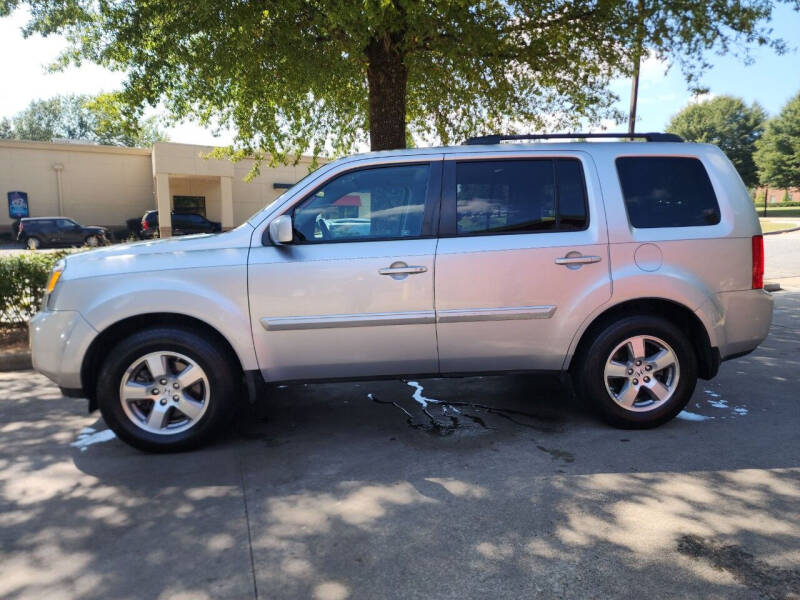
[32,243]
[639,372]
[166,389]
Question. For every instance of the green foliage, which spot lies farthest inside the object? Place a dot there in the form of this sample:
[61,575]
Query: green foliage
[23,278]
[103,119]
[778,153]
[301,76]
[726,122]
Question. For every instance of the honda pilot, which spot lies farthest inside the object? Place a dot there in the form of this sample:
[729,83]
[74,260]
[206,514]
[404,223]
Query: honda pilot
[634,267]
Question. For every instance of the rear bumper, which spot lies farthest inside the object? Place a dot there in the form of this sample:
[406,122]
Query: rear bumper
[59,341]
[737,322]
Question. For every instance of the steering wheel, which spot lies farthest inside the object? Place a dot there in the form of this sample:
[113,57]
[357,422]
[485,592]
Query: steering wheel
[323,228]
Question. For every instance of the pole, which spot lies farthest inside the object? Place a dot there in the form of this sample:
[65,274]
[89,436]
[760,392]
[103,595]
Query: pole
[634,95]
[766,193]
[637,59]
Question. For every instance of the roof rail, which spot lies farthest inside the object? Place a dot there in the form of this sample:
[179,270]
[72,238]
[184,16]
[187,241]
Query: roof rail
[497,138]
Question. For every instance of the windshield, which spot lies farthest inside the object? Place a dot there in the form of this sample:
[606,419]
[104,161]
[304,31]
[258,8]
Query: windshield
[255,219]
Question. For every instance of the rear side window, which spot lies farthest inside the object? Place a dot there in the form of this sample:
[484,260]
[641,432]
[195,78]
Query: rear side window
[667,191]
[519,196]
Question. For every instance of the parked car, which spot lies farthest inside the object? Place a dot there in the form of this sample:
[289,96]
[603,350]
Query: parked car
[182,224]
[40,232]
[634,267]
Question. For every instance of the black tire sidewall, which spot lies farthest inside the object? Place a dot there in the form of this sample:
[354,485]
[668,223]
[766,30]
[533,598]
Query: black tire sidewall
[218,369]
[591,375]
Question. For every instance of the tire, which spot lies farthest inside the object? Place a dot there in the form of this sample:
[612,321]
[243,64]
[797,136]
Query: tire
[208,402]
[92,241]
[32,243]
[632,395]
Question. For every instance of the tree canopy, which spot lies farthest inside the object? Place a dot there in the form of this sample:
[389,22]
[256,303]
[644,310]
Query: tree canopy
[726,122]
[99,119]
[293,76]
[778,153]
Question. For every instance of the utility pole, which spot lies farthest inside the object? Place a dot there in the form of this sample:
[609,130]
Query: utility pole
[634,97]
[637,59]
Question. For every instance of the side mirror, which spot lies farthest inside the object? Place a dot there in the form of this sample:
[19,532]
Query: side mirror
[280,230]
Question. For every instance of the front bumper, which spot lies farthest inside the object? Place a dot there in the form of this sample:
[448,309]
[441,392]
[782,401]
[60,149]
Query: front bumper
[59,341]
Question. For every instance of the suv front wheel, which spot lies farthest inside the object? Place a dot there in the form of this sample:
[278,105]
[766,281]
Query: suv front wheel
[638,372]
[166,389]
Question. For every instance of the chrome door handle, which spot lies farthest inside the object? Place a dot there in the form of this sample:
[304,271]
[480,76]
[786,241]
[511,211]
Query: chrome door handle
[577,260]
[402,270]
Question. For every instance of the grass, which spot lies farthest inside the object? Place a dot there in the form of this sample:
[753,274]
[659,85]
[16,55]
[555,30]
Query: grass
[767,225]
[778,211]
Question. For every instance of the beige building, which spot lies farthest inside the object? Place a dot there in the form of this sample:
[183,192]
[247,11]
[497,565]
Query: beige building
[106,185]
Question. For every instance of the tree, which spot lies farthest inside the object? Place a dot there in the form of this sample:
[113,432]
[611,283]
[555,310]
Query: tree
[726,122]
[778,153]
[305,75]
[101,119]
[6,129]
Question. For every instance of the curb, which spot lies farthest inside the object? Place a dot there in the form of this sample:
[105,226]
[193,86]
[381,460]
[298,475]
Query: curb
[782,231]
[772,287]
[19,361]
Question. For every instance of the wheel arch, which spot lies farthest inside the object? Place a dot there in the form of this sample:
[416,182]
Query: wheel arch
[677,313]
[103,343]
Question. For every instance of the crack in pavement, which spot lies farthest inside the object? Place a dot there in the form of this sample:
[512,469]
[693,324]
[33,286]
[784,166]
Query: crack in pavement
[436,426]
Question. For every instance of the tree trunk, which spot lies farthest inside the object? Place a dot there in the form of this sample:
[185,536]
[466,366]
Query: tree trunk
[387,76]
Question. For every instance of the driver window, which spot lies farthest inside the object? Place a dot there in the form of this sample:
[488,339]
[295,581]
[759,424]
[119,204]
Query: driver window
[376,203]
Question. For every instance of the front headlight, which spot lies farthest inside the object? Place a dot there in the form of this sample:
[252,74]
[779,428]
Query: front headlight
[52,282]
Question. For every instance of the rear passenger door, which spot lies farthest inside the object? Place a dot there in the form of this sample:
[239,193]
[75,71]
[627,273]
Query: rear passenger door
[522,259]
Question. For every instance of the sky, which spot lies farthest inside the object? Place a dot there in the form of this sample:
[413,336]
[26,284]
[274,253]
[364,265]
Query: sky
[771,80]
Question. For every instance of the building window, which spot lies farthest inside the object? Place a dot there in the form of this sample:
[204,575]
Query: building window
[189,204]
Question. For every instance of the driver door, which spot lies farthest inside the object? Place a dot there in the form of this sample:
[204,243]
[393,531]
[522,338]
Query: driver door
[352,295]
[69,232]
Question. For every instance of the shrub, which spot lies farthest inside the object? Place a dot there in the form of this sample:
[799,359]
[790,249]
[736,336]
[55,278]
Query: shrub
[23,277]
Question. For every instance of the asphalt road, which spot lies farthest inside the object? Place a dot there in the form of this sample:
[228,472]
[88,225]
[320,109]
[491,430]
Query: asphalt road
[337,494]
[782,255]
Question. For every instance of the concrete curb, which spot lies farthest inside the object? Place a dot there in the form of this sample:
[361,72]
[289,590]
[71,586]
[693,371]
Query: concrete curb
[782,231]
[18,361]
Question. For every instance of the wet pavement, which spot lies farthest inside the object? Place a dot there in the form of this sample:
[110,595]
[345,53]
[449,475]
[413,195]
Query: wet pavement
[498,487]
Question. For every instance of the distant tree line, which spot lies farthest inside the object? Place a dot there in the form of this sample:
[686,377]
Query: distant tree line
[94,119]
[764,151]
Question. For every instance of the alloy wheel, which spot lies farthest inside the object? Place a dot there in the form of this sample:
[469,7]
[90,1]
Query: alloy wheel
[642,373]
[164,392]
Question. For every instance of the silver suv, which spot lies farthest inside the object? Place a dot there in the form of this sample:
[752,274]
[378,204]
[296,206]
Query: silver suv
[636,267]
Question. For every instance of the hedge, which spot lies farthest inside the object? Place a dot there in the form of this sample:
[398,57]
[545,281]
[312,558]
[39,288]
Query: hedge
[23,277]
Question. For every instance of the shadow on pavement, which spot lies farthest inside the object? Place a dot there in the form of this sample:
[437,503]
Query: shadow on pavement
[351,491]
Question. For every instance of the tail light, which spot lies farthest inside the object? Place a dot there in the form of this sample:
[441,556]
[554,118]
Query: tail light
[758,262]
[145,226]
[21,225]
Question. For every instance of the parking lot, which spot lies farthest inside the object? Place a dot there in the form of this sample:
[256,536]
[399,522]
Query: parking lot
[353,491]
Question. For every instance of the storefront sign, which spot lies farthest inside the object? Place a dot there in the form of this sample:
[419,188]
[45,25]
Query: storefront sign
[17,205]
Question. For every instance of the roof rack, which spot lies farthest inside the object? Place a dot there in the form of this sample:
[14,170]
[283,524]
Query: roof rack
[497,138]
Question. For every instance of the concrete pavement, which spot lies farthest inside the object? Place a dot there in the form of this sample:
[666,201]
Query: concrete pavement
[339,494]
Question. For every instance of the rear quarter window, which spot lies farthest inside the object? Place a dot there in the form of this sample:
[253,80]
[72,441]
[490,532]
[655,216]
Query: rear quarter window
[667,191]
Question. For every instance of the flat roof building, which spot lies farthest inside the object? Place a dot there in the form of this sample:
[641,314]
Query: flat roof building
[107,185]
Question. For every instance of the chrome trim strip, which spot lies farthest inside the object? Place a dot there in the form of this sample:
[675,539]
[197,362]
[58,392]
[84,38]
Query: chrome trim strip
[422,317]
[510,313]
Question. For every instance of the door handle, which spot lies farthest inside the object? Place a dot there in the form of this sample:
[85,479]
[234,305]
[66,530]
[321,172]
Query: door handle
[402,270]
[577,260]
